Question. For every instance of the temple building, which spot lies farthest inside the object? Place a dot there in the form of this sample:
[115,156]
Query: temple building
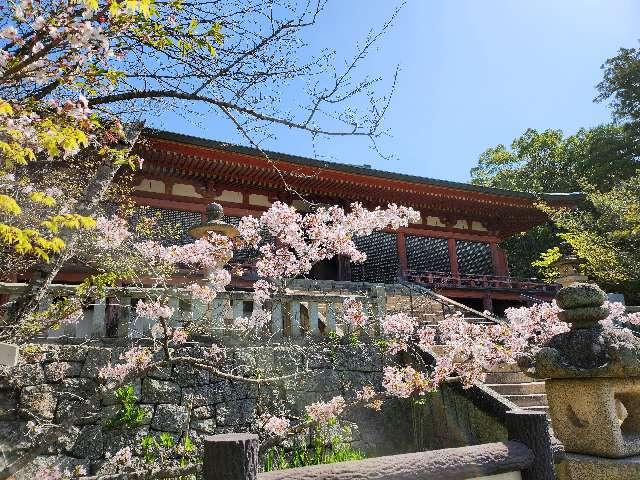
[453,250]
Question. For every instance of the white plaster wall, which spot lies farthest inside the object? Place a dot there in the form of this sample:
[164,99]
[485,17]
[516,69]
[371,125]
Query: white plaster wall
[185,190]
[148,185]
[260,200]
[434,222]
[230,196]
[478,226]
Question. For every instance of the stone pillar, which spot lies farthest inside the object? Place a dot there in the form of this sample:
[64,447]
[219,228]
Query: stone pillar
[592,379]
[231,456]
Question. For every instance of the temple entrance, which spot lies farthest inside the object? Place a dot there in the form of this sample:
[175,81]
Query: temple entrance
[336,268]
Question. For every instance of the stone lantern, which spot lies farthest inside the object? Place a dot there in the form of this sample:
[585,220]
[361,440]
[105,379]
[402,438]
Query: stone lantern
[568,266]
[592,380]
[214,224]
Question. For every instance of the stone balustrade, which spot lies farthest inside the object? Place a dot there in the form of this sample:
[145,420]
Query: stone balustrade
[292,314]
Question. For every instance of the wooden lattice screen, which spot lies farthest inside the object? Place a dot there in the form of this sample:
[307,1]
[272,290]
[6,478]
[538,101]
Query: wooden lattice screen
[382,264]
[474,258]
[427,254]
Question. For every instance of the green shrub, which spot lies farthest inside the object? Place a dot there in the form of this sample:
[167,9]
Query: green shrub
[129,415]
[321,450]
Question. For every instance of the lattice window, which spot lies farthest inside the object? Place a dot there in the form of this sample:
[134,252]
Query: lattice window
[474,258]
[427,254]
[169,227]
[382,264]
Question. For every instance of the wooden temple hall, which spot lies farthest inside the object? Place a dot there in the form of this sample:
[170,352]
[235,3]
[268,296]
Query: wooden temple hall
[453,250]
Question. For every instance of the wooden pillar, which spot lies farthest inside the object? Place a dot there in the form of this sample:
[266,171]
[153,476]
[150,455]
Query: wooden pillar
[499,260]
[487,302]
[453,256]
[402,254]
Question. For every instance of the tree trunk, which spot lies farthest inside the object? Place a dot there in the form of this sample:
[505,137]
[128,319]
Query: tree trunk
[43,276]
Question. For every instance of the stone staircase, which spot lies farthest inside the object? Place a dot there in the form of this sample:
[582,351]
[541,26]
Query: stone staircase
[506,380]
[510,382]
[430,308]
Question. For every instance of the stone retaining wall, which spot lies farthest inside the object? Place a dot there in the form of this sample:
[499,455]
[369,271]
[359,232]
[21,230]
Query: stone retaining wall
[185,399]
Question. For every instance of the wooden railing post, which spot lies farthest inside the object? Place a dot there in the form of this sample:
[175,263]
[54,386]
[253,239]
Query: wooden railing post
[231,456]
[532,429]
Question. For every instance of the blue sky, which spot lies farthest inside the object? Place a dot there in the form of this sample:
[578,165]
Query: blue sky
[474,73]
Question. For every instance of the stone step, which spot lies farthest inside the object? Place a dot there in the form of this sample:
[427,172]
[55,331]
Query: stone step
[517,388]
[537,408]
[507,377]
[528,400]
[505,367]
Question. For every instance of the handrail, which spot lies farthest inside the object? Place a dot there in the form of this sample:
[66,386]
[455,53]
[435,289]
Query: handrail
[449,463]
[448,301]
[462,280]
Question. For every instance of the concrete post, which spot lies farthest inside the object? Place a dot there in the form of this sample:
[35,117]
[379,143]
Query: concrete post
[592,380]
[231,456]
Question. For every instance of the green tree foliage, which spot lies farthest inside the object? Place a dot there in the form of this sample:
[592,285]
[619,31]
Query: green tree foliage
[593,160]
[605,233]
[547,161]
[620,86]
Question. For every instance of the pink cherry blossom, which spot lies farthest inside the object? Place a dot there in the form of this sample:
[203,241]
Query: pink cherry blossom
[153,309]
[323,412]
[402,382]
[135,359]
[365,394]
[112,232]
[203,293]
[278,426]
[352,312]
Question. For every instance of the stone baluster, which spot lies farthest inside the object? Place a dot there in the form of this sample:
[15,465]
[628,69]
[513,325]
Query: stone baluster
[295,318]
[592,380]
[276,318]
[238,308]
[331,317]
[314,328]
[124,317]
[218,312]
[97,321]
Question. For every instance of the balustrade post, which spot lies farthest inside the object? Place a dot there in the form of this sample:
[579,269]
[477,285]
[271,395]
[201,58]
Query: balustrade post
[174,302]
[276,318]
[218,312]
[331,317]
[238,308]
[379,295]
[230,456]
[532,429]
[124,317]
[98,328]
[295,318]
[312,308]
